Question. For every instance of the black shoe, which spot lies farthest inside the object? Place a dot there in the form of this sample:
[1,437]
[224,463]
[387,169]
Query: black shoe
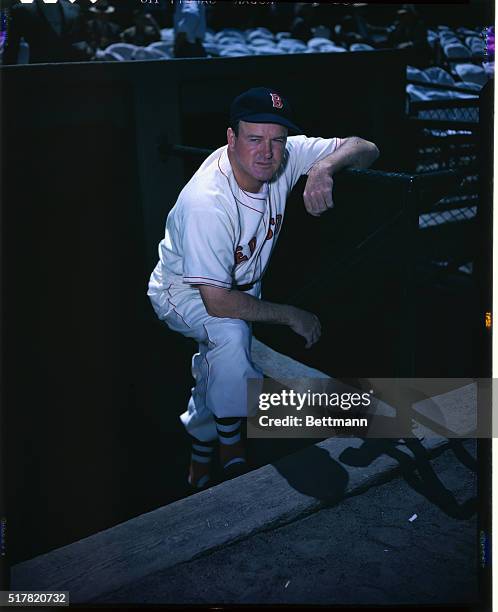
[235,469]
[204,484]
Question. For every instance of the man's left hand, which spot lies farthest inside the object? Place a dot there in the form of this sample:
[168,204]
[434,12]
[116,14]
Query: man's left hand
[318,191]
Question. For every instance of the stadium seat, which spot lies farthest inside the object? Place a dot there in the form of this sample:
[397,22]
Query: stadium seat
[234,49]
[236,31]
[450,39]
[466,32]
[143,53]
[228,40]
[268,51]
[489,69]
[264,31]
[439,76]
[162,47]
[432,37]
[323,45]
[468,85]
[230,33]
[107,56]
[292,45]
[415,74]
[257,35]
[418,93]
[234,52]
[361,47]
[211,48]
[477,47]
[332,49]
[124,50]
[471,73]
[469,40]
[456,51]
[317,41]
[260,42]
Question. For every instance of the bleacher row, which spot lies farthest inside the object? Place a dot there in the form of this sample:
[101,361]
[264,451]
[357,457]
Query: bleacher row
[463,51]
[462,65]
[435,83]
[460,44]
[229,42]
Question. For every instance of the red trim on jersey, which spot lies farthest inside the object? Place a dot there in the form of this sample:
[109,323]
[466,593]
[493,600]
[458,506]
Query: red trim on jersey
[247,206]
[206,278]
[253,197]
[209,341]
[174,307]
[211,285]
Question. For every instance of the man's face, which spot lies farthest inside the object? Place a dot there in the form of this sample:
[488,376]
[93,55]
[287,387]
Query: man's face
[256,153]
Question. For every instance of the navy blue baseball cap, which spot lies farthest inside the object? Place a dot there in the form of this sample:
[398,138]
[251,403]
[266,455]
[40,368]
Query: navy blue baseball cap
[263,105]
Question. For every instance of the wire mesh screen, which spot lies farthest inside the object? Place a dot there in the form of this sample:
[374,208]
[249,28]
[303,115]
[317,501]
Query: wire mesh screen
[447,216]
[470,113]
[445,138]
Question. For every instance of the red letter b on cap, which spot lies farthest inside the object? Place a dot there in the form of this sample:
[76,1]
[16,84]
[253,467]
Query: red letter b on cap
[277,100]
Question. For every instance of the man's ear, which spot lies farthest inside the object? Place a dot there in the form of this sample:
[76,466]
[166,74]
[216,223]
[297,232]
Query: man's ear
[231,138]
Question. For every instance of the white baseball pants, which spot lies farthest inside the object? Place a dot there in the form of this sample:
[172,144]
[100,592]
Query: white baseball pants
[220,368]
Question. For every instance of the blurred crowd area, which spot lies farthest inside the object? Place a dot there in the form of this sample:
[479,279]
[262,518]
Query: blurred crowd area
[456,56]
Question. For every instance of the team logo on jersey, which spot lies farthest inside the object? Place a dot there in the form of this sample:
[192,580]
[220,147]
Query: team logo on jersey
[239,251]
[277,223]
[277,100]
[239,255]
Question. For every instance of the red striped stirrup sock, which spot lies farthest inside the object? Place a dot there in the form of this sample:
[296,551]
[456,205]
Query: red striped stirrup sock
[232,451]
[200,463]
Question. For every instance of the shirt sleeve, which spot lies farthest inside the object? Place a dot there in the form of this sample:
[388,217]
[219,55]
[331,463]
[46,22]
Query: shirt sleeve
[208,247]
[304,152]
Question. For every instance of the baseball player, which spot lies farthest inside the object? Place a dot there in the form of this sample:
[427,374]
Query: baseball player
[219,238]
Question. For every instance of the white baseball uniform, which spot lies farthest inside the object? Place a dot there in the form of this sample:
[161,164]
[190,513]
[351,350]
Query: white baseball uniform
[218,234]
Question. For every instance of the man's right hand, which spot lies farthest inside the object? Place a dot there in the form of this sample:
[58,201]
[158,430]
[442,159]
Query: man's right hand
[306,324]
[239,305]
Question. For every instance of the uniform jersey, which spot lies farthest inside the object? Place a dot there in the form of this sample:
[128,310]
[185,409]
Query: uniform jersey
[218,234]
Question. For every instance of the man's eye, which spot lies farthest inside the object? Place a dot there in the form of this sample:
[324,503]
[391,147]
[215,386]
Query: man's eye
[254,139]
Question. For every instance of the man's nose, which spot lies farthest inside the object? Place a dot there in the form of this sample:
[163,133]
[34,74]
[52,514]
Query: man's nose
[268,152]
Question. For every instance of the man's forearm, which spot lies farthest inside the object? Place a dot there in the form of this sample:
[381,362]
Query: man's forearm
[353,153]
[238,305]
